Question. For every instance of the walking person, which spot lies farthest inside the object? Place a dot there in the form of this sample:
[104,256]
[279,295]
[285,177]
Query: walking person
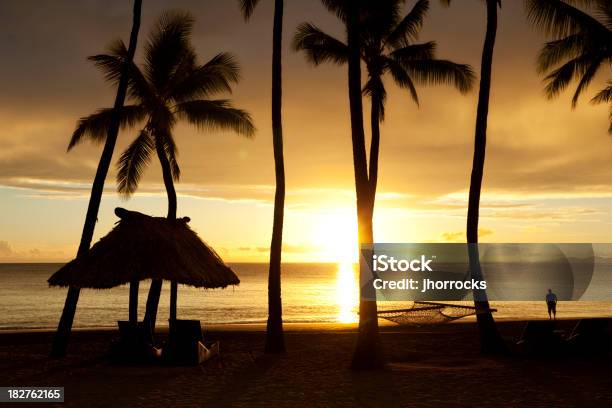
[551,302]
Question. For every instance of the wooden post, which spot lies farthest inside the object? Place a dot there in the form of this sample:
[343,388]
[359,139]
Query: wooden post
[173,293]
[134,301]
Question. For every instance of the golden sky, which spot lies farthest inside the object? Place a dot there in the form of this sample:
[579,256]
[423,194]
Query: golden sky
[548,175]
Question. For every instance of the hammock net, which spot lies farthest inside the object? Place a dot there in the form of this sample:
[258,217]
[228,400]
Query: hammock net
[429,313]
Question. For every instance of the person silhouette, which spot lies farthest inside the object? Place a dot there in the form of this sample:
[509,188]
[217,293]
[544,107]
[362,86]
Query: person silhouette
[551,302]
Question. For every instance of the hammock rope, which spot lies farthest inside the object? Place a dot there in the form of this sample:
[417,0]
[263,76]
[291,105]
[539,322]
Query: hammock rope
[430,313]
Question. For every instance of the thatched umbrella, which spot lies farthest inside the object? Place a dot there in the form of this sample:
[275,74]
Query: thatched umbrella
[142,247]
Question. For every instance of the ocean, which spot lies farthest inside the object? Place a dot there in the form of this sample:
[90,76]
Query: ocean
[312,293]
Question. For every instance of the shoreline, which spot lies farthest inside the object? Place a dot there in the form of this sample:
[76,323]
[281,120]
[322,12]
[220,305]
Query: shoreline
[296,326]
[288,327]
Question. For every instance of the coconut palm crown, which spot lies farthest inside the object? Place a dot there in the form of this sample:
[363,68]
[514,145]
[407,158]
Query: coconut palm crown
[169,86]
[580,48]
[387,47]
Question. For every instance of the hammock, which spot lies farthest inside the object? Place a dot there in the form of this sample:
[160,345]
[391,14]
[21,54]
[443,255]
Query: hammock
[430,313]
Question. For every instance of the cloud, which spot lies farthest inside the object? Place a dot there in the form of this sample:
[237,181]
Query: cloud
[9,254]
[483,232]
[535,149]
[5,249]
[287,248]
[459,236]
[453,236]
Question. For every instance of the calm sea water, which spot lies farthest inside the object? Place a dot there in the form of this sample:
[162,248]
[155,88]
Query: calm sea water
[311,293]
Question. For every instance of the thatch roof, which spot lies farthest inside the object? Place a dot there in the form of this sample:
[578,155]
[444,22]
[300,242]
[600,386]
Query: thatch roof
[143,247]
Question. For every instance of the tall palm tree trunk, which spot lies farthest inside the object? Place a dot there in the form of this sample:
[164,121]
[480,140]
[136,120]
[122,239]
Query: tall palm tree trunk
[152,303]
[133,309]
[491,341]
[374,147]
[275,342]
[156,284]
[368,353]
[64,328]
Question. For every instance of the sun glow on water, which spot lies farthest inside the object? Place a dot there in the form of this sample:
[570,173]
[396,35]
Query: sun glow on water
[347,292]
[336,235]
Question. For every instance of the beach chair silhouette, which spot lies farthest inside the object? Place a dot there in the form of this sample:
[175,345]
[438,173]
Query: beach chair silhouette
[540,337]
[590,336]
[135,343]
[186,345]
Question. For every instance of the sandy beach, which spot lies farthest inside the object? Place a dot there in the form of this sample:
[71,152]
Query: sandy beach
[426,366]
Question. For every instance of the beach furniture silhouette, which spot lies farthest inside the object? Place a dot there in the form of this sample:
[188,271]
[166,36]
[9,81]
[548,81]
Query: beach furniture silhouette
[135,343]
[186,345]
[590,336]
[540,337]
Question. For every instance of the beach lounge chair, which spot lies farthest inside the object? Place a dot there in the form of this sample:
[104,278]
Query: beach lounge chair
[186,345]
[135,344]
[540,337]
[590,336]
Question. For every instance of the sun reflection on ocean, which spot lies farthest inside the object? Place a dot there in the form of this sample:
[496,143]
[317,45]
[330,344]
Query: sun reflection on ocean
[347,293]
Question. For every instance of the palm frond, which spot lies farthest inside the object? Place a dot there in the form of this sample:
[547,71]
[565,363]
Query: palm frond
[603,96]
[247,7]
[217,75]
[318,46]
[556,51]
[601,7]
[111,66]
[560,78]
[378,18]
[559,19]
[447,3]
[338,7]
[402,79]
[216,114]
[434,71]
[408,28]
[132,163]
[585,80]
[415,52]
[186,63]
[95,126]
[167,46]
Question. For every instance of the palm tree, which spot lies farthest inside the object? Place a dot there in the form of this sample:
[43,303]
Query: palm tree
[275,342]
[171,85]
[368,352]
[581,45]
[490,340]
[387,46]
[378,35]
[64,328]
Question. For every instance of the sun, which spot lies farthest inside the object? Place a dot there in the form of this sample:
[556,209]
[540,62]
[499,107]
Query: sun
[336,236]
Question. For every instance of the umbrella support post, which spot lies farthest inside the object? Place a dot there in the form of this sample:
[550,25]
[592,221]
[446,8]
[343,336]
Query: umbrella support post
[173,294]
[134,302]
